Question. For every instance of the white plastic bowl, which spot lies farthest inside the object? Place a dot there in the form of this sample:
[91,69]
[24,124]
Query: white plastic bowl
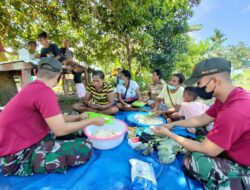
[107,143]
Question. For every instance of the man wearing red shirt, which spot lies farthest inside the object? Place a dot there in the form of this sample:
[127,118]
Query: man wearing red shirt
[26,146]
[230,134]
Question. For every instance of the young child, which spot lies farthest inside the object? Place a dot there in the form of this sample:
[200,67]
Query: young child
[190,107]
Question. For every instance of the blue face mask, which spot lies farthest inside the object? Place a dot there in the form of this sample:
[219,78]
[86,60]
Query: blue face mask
[171,87]
[121,82]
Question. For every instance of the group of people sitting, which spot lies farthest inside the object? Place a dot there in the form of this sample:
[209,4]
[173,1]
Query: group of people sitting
[168,99]
[220,161]
[99,96]
[64,54]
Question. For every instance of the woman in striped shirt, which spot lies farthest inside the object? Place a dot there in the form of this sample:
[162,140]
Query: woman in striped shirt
[99,97]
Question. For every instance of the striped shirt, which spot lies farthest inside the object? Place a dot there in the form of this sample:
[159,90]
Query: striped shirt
[100,98]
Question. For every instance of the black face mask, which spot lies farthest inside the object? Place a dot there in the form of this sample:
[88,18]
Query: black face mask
[201,92]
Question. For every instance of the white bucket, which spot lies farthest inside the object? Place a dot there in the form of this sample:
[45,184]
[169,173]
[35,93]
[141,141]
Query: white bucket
[107,143]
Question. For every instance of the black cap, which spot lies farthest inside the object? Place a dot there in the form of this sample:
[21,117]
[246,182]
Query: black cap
[208,67]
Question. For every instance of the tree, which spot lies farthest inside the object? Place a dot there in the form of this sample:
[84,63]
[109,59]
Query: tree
[217,40]
[196,52]
[218,37]
[104,33]
[239,54]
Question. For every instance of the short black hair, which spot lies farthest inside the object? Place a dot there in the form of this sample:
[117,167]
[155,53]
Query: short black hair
[98,73]
[190,90]
[42,35]
[32,43]
[126,73]
[180,77]
[158,72]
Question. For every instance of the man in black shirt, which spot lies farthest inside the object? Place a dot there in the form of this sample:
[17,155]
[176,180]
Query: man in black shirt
[49,49]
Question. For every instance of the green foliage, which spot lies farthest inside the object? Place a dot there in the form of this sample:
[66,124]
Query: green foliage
[237,54]
[132,34]
[195,27]
[213,47]
[125,33]
[144,80]
[195,53]
[243,79]
[68,100]
[170,39]
[218,38]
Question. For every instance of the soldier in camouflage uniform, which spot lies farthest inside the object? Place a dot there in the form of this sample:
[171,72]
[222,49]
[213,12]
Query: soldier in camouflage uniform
[49,155]
[221,160]
[26,144]
[217,172]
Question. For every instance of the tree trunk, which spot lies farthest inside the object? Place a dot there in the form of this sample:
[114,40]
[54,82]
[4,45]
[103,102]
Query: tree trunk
[65,85]
[129,58]
[137,72]
[8,87]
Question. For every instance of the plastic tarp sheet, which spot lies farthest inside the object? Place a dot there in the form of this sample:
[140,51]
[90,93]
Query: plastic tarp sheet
[106,170]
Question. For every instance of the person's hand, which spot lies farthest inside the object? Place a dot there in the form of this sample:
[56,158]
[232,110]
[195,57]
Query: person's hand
[83,116]
[100,107]
[37,56]
[64,62]
[191,130]
[97,106]
[77,69]
[99,121]
[160,131]
[127,106]
[74,118]
[91,104]
[169,126]
[154,110]
[157,113]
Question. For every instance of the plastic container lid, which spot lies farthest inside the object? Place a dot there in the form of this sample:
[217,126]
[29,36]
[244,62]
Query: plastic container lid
[138,104]
[108,118]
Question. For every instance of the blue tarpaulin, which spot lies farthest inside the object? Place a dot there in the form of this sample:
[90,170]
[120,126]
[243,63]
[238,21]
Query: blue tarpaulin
[106,170]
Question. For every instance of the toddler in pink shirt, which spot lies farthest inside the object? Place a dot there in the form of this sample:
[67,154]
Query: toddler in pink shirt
[190,107]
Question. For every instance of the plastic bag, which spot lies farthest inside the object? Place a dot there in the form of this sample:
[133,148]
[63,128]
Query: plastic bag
[142,175]
[142,184]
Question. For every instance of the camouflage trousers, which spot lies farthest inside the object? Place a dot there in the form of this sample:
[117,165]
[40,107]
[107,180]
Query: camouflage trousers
[217,173]
[49,155]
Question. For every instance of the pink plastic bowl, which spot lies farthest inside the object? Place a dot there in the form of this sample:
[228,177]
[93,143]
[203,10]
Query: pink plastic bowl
[107,143]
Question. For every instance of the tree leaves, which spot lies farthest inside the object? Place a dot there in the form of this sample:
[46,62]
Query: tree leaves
[129,33]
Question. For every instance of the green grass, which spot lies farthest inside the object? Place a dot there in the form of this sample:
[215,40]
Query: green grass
[244,79]
[67,99]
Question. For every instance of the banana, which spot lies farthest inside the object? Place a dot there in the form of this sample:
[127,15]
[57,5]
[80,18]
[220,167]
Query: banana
[142,146]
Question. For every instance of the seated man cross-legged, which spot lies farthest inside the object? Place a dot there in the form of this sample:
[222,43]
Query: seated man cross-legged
[27,146]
